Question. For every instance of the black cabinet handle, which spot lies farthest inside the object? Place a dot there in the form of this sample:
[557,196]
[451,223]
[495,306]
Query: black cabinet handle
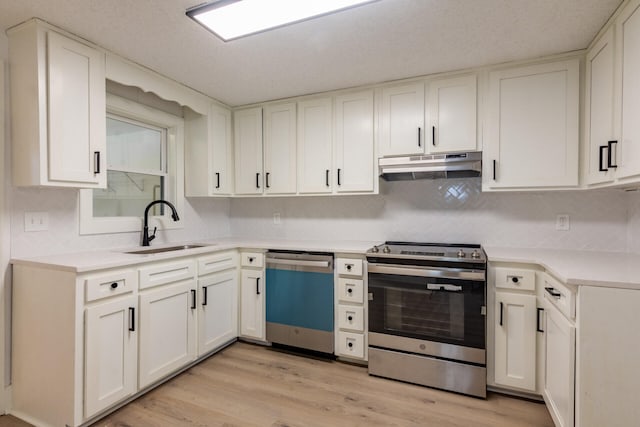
[204,295]
[114,285]
[96,162]
[217,179]
[339,183]
[266,177]
[501,307]
[553,292]
[257,286]
[433,135]
[538,327]
[610,163]
[132,319]
[601,157]
[494,169]
[419,136]
[257,179]
[326,177]
[193,299]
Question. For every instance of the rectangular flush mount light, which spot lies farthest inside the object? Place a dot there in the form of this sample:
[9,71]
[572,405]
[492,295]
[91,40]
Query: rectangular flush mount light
[232,19]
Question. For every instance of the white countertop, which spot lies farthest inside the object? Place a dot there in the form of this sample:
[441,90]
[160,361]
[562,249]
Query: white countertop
[585,268]
[82,262]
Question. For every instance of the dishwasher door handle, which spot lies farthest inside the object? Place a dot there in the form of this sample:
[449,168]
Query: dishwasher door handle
[302,263]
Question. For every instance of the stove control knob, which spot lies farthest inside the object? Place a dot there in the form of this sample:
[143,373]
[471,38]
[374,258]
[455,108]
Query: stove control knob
[375,250]
[386,249]
[475,254]
[461,254]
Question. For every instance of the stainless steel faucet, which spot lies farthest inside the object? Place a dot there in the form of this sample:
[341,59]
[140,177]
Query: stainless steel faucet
[145,232]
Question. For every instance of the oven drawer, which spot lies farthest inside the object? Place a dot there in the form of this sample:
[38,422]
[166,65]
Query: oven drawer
[349,266]
[515,278]
[351,290]
[350,344]
[351,317]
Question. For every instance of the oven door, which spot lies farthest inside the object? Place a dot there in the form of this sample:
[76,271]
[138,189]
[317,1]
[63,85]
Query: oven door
[433,304]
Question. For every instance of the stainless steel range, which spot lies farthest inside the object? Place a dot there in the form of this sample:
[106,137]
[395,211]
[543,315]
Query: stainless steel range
[427,315]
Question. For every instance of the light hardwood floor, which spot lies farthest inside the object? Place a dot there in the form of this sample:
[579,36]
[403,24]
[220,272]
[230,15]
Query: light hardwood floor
[250,385]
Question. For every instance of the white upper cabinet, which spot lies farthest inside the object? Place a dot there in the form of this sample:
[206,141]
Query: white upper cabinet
[314,146]
[58,109]
[354,143]
[628,39]
[248,151]
[208,153]
[402,120]
[600,133]
[532,127]
[280,148]
[452,115]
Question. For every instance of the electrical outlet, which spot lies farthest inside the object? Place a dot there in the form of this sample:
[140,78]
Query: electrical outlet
[36,221]
[276,218]
[562,222]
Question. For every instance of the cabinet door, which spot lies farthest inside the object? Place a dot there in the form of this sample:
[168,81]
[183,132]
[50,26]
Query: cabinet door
[532,127]
[77,112]
[355,162]
[453,112]
[252,315]
[220,151]
[560,353]
[218,311]
[280,149]
[402,120]
[167,330]
[314,146]
[599,101]
[111,353]
[248,151]
[515,340]
[628,36]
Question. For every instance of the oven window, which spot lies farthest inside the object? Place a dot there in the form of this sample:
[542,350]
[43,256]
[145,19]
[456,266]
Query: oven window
[431,313]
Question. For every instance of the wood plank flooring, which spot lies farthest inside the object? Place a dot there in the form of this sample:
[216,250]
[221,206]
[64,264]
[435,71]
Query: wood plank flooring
[250,385]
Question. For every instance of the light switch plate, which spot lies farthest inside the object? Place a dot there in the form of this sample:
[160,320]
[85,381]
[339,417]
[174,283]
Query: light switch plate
[36,221]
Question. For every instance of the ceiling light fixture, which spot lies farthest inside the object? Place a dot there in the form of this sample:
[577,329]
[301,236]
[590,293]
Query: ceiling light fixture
[232,19]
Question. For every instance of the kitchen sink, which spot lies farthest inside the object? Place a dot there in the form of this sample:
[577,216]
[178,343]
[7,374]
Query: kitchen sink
[165,249]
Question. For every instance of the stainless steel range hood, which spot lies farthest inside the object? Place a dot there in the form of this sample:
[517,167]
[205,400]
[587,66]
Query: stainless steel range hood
[461,165]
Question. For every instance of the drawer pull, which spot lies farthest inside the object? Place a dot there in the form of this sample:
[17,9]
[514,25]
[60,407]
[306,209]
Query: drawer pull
[132,319]
[553,292]
[350,318]
[349,291]
[350,344]
[538,327]
[251,259]
[349,267]
[515,279]
[114,285]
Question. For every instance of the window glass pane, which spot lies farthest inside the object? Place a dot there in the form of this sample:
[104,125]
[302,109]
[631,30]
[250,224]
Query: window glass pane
[128,194]
[132,146]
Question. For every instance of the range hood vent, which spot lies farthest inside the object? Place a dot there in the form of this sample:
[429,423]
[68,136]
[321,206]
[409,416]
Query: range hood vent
[461,165]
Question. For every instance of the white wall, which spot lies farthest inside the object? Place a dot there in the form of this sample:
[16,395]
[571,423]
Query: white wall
[443,211]
[634,221]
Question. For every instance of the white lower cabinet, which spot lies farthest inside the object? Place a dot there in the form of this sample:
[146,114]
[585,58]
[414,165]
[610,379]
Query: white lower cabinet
[217,310]
[252,299]
[167,330]
[111,353]
[351,313]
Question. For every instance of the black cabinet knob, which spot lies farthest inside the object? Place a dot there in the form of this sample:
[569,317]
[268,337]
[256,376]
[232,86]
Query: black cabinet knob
[349,291]
[350,318]
[350,344]
[250,259]
[349,267]
[515,279]
[114,285]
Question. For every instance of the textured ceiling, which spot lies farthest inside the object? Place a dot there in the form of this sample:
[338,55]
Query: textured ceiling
[386,40]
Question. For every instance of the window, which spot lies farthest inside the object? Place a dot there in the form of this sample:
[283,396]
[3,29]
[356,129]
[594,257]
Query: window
[144,163]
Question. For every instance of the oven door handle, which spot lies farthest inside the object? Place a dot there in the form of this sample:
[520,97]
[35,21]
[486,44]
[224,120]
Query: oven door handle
[447,273]
[440,287]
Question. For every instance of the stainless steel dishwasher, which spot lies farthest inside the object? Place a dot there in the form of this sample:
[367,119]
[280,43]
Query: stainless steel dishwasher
[299,294]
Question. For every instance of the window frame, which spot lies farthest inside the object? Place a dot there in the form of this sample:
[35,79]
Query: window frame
[174,190]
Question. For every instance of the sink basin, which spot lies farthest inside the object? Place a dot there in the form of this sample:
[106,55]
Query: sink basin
[165,249]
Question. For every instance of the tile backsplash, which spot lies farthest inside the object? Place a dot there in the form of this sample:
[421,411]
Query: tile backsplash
[444,211]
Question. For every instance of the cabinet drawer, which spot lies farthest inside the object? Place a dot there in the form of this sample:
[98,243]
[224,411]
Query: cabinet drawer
[160,274]
[216,262]
[515,278]
[351,317]
[560,295]
[351,290]
[351,345]
[109,284]
[252,259]
[348,266]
